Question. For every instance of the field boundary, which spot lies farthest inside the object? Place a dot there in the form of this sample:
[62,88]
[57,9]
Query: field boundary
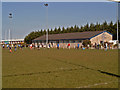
[48,72]
[100,71]
[96,84]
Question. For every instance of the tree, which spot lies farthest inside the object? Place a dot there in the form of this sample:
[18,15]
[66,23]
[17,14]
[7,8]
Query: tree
[51,31]
[63,30]
[92,27]
[86,42]
[67,30]
[105,25]
[71,29]
[86,27]
[41,32]
[76,28]
[28,39]
[112,28]
[59,30]
[115,31]
[55,31]
[81,29]
[97,27]
[48,30]
[44,32]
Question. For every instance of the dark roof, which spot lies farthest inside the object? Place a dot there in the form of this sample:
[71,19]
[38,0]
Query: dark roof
[66,36]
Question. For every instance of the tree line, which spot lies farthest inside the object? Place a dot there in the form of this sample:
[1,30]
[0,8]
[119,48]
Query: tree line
[110,27]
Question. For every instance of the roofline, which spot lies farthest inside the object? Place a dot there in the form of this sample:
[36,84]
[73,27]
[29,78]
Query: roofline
[62,39]
[100,33]
[64,33]
[77,39]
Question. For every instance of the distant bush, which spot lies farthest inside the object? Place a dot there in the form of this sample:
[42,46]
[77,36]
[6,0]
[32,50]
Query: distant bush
[86,42]
[116,45]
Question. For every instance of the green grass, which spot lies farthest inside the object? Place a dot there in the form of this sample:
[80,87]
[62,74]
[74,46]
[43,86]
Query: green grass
[64,68]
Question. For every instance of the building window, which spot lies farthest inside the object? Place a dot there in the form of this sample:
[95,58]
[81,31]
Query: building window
[67,41]
[73,41]
[80,41]
[57,41]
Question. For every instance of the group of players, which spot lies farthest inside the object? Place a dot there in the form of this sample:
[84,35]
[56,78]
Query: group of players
[9,47]
[96,46]
[31,46]
[51,46]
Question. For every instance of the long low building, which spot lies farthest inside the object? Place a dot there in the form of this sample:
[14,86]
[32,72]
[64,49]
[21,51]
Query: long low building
[13,41]
[74,38]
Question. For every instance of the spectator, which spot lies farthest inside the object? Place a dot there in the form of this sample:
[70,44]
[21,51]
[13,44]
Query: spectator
[58,46]
[68,45]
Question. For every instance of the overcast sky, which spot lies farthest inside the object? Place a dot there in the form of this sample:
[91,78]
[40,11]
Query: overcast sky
[31,16]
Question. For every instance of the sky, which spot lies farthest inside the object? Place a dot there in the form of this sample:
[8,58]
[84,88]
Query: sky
[31,16]
[55,1]
[0,21]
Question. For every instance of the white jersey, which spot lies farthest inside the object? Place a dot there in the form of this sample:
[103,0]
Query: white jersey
[106,44]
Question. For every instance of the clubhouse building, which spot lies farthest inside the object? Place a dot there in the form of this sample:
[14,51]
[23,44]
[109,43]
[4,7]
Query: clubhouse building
[13,41]
[74,38]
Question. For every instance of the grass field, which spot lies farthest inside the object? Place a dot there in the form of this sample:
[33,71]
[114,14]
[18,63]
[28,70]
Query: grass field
[52,68]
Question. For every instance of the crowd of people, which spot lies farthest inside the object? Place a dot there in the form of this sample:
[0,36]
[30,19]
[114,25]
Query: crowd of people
[77,46]
[14,47]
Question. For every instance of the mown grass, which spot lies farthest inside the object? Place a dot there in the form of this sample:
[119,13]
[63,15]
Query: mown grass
[64,68]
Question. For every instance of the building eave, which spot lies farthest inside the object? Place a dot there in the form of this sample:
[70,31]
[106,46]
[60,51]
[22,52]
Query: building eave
[100,33]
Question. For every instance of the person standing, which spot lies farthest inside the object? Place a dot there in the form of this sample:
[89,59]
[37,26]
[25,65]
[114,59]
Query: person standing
[88,46]
[58,46]
[106,45]
[38,46]
[78,46]
[31,46]
[22,47]
[109,45]
[10,49]
[69,45]
[3,46]
[15,47]
[98,46]
[7,46]
[49,45]
[95,45]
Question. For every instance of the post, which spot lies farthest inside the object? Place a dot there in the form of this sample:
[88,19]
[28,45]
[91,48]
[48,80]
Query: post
[117,25]
[46,24]
[117,1]
[10,37]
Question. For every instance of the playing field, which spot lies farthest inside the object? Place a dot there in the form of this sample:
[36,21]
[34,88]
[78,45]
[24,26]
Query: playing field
[64,68]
